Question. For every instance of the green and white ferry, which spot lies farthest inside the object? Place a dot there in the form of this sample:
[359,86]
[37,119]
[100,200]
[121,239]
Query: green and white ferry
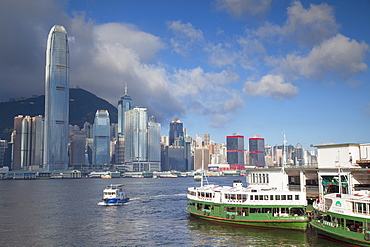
[259,205]
[343,217]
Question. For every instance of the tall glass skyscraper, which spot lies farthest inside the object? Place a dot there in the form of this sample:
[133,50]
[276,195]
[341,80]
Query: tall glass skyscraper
[136,135]
[101,151]
[176,130]
[154,140]
[235,152]
[56,100]
[124,104]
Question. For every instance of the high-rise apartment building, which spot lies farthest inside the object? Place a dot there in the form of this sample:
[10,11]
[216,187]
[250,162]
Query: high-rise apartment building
[257,151]
[201,158]
[176,131]
[56,100]
[101,150]
[235,152]
[207,139]
[124,104]
[27,143]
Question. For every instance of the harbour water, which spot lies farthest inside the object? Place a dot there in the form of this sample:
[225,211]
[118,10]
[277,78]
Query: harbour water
[63,212]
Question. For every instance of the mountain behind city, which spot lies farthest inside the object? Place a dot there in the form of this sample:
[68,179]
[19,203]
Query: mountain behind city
[82,108]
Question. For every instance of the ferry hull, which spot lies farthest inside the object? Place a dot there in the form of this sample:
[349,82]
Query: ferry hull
[113,202]
[352,238]
[294,224]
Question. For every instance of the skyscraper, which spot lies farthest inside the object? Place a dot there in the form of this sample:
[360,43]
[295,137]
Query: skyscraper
[257,151]
[101,151]
[235,151]
[124,104]
[176,130]
[136,135]
[56,100]
[154,141]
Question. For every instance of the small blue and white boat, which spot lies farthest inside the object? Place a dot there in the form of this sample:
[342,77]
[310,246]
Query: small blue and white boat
[113,195]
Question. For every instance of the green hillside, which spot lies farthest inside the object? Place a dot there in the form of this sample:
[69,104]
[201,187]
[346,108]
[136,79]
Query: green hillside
[82,108]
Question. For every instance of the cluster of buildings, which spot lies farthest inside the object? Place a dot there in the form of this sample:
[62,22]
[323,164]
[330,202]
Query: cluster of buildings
[133,144]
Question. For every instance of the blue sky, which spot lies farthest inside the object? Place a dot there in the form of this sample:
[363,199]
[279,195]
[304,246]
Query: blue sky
[222,67]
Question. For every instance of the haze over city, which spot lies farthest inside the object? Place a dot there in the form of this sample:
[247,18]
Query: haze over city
[222,67]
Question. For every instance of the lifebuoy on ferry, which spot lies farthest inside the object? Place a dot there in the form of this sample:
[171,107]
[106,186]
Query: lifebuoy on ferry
[367,236]
[204,212]
[233,216]
[227,216]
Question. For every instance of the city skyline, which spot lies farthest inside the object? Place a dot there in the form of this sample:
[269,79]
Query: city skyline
[259,69]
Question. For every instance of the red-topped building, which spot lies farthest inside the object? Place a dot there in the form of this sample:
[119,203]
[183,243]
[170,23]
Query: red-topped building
[235,151]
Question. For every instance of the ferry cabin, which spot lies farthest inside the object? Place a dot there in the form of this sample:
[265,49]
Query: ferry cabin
[346,219]
[249,206]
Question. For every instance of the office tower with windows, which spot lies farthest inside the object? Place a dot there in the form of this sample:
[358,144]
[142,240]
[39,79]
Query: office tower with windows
[257,151]
[176,131]
[56,100]
[235,151]
[136,135]
[154,144]
[77,148]
[3,147]
[124,104]
[101,129]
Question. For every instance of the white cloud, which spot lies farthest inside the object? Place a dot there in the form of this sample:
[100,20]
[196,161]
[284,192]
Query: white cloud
[204,93]
[221,55]
[128,36]
[271,86]
[312,25]
[186,35]
[338,56]
[307,27]
[240,8]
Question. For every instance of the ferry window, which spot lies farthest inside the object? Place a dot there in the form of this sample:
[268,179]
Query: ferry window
[290,197]
[297,211]
[271,197]
[254,210]
[265,197]
[354,226]
[232,197]
[340,222]
[199,206]
[266,210]
[263,178]
[267,178]
[206,206]
[229,209]
[254,190]
[238,196]
[261,197]
[277,197]
[284,210]
[244,197]
[243,211]
[283,197]
[251,197]
[297,197]
[255,197]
